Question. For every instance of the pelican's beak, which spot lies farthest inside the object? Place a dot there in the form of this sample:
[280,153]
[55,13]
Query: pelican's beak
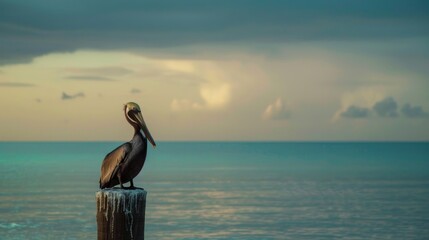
[143,126]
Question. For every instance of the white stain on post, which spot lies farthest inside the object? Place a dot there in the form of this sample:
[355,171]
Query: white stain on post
[120,213]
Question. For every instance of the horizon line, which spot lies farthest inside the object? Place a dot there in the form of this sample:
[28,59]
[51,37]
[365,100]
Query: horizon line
[221,141]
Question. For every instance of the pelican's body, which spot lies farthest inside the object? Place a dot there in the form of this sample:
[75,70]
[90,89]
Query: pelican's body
[124,163]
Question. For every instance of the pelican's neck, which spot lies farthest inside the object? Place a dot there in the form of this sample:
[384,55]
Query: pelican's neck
[136,129]
[138,134]
[139,140]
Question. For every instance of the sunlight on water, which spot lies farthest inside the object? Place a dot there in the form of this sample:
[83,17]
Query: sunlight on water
[200,190]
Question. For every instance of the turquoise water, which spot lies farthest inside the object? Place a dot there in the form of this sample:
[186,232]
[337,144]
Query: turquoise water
[219,190]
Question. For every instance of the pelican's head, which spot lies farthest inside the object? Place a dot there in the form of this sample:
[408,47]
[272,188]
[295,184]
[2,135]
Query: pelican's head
[134,116]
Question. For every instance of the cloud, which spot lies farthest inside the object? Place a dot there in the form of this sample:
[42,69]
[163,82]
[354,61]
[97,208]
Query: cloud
[147,24]
[386,107]
[414,111]
[211,82]
[101,71]
[66,96]
[135,91]
[276,111]
[184,105]
[355,112]
[97,73]
[89,78]
[213,95]
[16,84]
[353,102]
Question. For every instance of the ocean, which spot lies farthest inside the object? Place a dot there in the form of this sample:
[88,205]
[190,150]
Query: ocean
[225,190]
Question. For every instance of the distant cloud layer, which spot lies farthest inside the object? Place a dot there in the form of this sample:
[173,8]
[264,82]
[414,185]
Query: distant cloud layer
[276,111]
[16,84]
[66,96]
[385,108]
[89,78]
[100,71]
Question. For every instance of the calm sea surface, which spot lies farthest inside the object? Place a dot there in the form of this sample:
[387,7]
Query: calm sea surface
[225,190]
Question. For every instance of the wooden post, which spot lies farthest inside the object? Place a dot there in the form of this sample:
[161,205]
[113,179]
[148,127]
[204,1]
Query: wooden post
[121,214]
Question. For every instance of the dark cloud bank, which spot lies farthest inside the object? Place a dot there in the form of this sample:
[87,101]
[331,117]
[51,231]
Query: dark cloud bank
[32,28]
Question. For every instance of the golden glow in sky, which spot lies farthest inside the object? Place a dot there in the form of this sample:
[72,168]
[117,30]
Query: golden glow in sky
[79,96]
[223,70]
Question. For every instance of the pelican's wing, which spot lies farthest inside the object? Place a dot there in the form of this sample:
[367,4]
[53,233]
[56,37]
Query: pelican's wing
[111,163]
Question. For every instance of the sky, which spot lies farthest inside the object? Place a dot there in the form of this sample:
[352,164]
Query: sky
[215,70]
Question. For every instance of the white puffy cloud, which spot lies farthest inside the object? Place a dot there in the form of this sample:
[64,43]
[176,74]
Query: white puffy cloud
[214,87]
[214,96]
[276,111]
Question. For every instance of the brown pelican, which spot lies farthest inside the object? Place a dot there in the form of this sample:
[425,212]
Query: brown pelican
[125,162]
